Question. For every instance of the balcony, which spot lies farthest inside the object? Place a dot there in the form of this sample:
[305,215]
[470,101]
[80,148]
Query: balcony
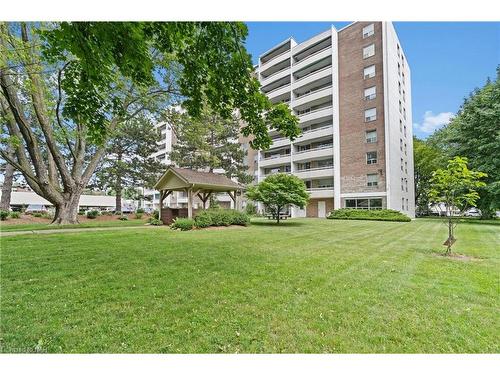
[275,76]
[275,60]
[313,153]
[313,76]
[323,131]
[315,94]
[316,56]
[324,192]
[278,91]
[280,142]
[318,172]
[326,111]
[278,159]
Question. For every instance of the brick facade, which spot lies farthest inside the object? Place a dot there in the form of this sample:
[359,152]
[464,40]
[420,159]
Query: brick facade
[353,146]
[312,206]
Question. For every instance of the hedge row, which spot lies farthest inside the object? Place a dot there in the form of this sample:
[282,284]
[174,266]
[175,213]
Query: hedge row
[212,218]
[378,215]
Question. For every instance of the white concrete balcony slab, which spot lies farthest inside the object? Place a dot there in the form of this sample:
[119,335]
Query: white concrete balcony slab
[280,142]
[321,54]
[321,192]
[275,60]
[274,160]
[278,91]
[316,114]
[316,133]
[313,154]
[276,76]
[315,95]
[311,77]
[314,173]
[308,43]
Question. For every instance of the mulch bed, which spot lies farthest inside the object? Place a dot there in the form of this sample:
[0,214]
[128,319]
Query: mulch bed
[30,219]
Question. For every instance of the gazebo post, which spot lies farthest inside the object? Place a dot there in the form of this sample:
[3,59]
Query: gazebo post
[190,203]
[161,204]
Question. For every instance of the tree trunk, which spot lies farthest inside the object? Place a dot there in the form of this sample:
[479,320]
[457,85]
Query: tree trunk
[67,211]
[118,203]
[7,186]
[278,215]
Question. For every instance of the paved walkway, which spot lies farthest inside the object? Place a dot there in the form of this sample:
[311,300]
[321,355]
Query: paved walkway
[70,230]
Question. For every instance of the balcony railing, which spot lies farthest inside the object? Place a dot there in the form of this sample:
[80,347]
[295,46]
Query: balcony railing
[278,88]
[274,57]
[270,173]
[317,129]
[320,188]
[275,156]
[279,71]
[313,54]
[314,149]
[315,169]
[313,72]
[307,112]
[312,91]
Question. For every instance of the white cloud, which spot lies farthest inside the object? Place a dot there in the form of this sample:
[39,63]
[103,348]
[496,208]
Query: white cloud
[432,122]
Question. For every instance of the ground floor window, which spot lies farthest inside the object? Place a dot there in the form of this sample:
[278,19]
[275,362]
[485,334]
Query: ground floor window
[364,203]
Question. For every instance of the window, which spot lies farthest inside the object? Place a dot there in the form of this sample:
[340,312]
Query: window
[406,167]
[402,204]
[406,184]
[400,125]
[369,72]
[404,113]
[403,78]
[371,157]
[399,87]
[368,31]
[402,184]
[401,164]
[364,204]
[405,130]
[399,69]
[407,207]
[371,136]
[404,96]
[371,93]
[370,114]
[400,107]
[369,51]
[372,179]
[405,149]
[398,50]
[401,144]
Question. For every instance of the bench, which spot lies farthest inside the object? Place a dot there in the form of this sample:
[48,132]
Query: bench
[282,216]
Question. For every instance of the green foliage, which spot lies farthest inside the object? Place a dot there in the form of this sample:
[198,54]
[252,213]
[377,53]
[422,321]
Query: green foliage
[279,190]
[183,224]
[156,222]
[202,143]
[377,215]
[92,214]
[156,214]
[37,214]
[106,213]
[455,187]
[138,215]
[117,212]
[474,133]
[427,159]
[251,209]
[81,212]
[209,57]
[4,215]
[123,218]
[15,214]
[140,211]
[220,217]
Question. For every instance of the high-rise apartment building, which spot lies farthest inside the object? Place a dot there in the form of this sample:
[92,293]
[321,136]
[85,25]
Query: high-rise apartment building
[351,90]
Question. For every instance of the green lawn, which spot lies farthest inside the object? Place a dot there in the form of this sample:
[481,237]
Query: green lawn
[308,285]
[11,226]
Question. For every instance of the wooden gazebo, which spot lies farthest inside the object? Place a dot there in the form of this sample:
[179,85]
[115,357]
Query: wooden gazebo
[194,183]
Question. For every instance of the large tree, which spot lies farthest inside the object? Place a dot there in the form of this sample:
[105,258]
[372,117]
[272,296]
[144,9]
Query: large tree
[128,162]
[427,159]
[277,191]
[475,133]
[208,142]
[66,87]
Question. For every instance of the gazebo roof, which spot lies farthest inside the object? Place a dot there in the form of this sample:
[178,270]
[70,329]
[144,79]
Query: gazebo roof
[182,178]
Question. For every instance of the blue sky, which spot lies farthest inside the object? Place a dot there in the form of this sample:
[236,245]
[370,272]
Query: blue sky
[447,60]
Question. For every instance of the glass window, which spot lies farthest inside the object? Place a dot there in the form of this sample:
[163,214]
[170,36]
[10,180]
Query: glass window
[369,51]
[350,203]
[371,157]
[368,30]
[371,136]
[370,114]
[369,72]
[376,203]
[371,93]
[402,204]
[372,179]
[362,203]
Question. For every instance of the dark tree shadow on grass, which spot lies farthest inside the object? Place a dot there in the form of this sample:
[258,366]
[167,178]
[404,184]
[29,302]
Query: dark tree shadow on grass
[284,223]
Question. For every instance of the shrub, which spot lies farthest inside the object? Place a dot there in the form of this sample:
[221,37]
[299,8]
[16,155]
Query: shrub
[240,218]
[183,224]
[251,209]
[117,212]
[37,214]
[156,214]
[154,221]
[81,212]
[92,214]
[15,215]
[139,211]
[4,215]
[138,215]
[106,213]
[203,219]
[220,218]
[48,215]
[378,215]
[123,218]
